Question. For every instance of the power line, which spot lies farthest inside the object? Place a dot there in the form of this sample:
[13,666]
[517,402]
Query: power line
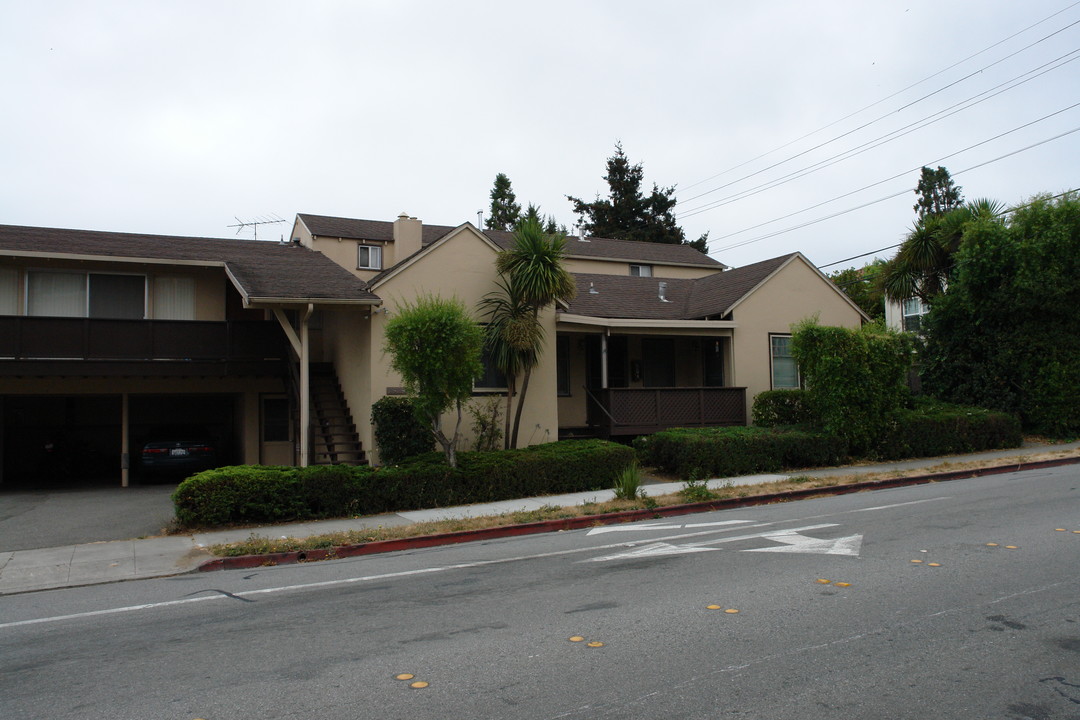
[842,135]
[888,197]
[895,134]
[889,97]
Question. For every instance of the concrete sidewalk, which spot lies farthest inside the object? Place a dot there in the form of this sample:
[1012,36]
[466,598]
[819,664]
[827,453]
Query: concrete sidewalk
[100,562]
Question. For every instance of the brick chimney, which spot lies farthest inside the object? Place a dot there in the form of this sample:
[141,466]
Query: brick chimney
[408,233]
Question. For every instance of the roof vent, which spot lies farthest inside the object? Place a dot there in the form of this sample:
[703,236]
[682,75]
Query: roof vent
[662,292]
[581,234]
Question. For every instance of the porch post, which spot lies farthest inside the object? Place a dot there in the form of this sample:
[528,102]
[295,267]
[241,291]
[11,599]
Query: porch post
[125,449]
[603,360]
[305,388]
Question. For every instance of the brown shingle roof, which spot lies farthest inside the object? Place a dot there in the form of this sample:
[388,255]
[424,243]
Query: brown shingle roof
[622,296]
[263,269]
[600,248]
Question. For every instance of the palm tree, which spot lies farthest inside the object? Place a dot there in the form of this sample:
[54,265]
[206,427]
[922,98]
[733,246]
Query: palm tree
[535,275]
[511,338]
[924,262]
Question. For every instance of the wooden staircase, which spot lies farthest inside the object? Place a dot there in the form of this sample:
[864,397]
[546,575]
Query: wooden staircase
[334,440]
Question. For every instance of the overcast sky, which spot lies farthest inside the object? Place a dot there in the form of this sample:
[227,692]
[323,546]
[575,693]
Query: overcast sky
[178,117]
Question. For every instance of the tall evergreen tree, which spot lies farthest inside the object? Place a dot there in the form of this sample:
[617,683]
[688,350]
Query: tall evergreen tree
[937,192]
[629,214]
[505,210]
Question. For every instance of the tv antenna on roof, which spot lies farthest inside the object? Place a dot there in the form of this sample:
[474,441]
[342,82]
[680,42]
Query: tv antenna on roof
[272,219]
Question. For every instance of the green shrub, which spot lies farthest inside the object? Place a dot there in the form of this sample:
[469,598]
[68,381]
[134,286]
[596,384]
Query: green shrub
[250,494]
[726,452]
[933,429]
[774,408]
[399,432]
[628,483]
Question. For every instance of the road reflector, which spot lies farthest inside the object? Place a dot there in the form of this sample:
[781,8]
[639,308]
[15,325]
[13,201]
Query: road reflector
[418,684]
[916,561]
[934,564]
[1011,547]
[991,544]
[576,638]
[823,581]
[596,643]
[731,611]
[405,676]
[712,607]
[842,584]
[1076,532]
[1060,529]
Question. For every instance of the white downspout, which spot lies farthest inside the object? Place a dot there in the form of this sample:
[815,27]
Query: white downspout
[305,388]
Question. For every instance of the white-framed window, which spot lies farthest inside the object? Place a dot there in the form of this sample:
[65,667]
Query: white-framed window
[9,291]
[76,294]
[174,298]
[641,271]
[913,309]
[785,372]
[368,257]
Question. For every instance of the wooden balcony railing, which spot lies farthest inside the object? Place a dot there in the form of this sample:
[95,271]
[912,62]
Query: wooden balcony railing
[639,411]
[54,341]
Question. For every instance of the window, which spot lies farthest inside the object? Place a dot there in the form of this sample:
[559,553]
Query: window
[174,298]
[117,296]
[712,362]
[562,361]
[368,257]
[913,311]
[97,295]
[785,373]
[53,294]
[9,291]
[492,378]
[641,271]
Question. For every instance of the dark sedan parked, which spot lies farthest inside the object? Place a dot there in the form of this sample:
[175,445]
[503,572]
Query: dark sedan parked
[179,452]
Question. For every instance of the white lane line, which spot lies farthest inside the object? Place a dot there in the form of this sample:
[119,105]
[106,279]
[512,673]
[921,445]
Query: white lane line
[896,505]
[661,526]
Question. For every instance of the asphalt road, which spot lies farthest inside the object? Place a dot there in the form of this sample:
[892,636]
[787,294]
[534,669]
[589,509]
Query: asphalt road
[834,620]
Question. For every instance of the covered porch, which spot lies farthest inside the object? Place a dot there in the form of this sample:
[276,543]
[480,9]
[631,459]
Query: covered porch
[619,377]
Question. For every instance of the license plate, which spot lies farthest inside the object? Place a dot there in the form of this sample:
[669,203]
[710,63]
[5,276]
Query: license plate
[178,451]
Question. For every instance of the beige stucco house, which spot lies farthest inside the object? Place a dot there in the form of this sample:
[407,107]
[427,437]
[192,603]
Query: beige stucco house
[278,347]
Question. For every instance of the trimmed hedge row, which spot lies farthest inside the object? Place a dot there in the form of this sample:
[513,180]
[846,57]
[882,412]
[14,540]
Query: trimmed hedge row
[937,429]
[777,408]
[257,494]
[725,452]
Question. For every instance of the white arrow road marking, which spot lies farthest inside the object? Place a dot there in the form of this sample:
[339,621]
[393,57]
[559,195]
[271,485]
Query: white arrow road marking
[655,549]
[695,547]
[659,526]
[796,543]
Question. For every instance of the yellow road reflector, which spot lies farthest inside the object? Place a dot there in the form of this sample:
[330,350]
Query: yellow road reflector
[916,561]
[596,643]
[731,611]
[823,581]
[576,638]
[1060,529]
[1076,532]
[1011,547]
[934,564]
[404,676]
[418,684]
[712,607]
[991,544]
[842,584]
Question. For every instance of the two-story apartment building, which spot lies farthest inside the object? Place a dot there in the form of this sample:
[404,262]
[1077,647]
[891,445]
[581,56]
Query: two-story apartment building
[278,348]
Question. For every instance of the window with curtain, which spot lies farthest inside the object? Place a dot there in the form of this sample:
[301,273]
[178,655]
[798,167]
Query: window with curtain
[9,291]
[56,294]
[174,298]
[785,373]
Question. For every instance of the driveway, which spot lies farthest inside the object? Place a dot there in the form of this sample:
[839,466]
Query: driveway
[32,519]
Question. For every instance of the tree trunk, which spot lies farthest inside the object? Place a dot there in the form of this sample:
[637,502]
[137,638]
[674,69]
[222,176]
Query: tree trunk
[511,381]
[520,405]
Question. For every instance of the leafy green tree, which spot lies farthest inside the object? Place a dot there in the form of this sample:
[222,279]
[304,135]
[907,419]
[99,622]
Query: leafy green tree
[535,275]
[1006,335]
[505,210]
[937,192]
[629,214]
[435,346]
[863,287]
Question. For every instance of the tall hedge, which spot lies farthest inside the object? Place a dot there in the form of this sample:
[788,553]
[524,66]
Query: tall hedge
[399,432]
[855,379]
[1006,334]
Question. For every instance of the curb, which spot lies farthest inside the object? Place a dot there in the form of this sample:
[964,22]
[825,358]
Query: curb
[246,562]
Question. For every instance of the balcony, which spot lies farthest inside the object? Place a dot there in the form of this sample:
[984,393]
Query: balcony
[640,411]
[90,346]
